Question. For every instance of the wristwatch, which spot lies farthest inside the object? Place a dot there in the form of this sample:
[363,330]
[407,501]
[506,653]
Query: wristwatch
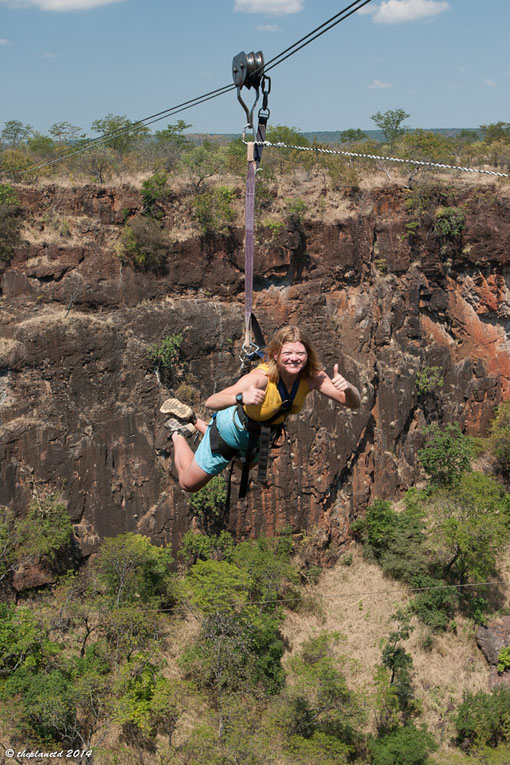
[239,398]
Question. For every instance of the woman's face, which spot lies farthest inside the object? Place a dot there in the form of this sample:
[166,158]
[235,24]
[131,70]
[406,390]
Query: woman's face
[292,357]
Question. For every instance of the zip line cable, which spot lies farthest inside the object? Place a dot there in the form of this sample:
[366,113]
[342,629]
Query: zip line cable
[103,139]
[341,595]
[171,111]
[278,59]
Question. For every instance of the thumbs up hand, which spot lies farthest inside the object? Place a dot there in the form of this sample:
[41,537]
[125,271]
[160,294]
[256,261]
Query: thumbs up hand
[339,382]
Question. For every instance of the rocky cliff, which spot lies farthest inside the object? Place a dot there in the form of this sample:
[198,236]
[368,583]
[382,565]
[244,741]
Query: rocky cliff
[382,291]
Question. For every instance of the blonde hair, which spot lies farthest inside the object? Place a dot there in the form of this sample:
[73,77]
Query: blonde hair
[291,334]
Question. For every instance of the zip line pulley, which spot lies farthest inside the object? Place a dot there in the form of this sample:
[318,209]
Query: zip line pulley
[248,72]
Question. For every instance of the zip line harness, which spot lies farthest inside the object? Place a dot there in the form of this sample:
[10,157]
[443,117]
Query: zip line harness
[248,71]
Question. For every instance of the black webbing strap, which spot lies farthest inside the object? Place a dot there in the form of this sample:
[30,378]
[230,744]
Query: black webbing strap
[264,445]
[218,444]
[250,452]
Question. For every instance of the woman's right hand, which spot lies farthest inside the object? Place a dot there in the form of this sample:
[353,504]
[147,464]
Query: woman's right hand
[254,395]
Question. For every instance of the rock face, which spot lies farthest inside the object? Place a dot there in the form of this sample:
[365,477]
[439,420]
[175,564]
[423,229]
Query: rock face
[491,639]
[79,400]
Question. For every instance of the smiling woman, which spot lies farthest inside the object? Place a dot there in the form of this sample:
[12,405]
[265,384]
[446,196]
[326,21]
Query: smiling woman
[249,415]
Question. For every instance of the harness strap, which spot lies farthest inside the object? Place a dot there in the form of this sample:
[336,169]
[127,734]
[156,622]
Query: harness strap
[264,444]
[249,237]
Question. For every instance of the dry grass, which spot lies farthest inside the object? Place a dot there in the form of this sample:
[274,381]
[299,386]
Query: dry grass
[54,316]
[358,602]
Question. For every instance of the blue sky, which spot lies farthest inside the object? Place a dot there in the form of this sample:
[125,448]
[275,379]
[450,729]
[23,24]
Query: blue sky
[446,62]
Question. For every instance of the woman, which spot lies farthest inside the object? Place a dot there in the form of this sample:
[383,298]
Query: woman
[289,372]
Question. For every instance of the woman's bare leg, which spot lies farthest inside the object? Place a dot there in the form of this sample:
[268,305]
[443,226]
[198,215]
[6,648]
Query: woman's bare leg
[191,476]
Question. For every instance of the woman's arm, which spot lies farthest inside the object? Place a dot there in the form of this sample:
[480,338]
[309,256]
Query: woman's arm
[338,388]
[252,386]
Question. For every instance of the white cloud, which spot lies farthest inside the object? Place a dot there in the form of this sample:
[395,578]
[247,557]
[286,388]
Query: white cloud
[48,54]
[378,85]
[399,11]
[58,5]
[268,28]
[490,83]
[4,41]
[270,7]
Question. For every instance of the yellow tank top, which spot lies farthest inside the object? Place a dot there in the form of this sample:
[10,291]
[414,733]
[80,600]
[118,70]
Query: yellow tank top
[273,401]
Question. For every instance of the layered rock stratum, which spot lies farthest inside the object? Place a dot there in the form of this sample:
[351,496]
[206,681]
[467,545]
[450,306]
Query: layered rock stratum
[79,400]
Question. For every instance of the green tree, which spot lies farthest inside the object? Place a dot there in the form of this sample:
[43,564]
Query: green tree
[352,135]
[407,745]
[209,503]
[64,132]
[200,163]
[121,132]
[446,454]
[284,160]
[131,568]
[400,664]
[213,211]
[41,145]
[173,135]
[426,145]
[499,438]
[390,122]
[483,719]
[468,527]
[42,535]
[15,133]
[317,711]
[495,131]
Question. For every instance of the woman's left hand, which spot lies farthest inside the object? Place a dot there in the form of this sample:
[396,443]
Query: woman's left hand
[338,381]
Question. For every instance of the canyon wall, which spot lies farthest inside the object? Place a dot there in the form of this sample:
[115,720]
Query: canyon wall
[380,290]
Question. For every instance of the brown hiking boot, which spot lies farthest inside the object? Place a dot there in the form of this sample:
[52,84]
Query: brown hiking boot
[186,429]
[178,409]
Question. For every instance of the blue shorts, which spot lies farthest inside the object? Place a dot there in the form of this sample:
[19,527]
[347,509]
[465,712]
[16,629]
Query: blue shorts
[231,431]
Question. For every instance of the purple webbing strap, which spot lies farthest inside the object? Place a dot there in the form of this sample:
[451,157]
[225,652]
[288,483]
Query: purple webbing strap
[250,225]
[248,246]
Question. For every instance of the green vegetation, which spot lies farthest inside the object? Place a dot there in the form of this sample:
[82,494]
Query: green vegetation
[130,658]
[145,244]
[483,719]
[41,536]
[449,222]
[10,223]
[209,503]
[500,439]
[448,538]
[165,355]
[446,454]
[390,122]
[504,659]
[213,211]
[130,148]
[429,380]
[155,193]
